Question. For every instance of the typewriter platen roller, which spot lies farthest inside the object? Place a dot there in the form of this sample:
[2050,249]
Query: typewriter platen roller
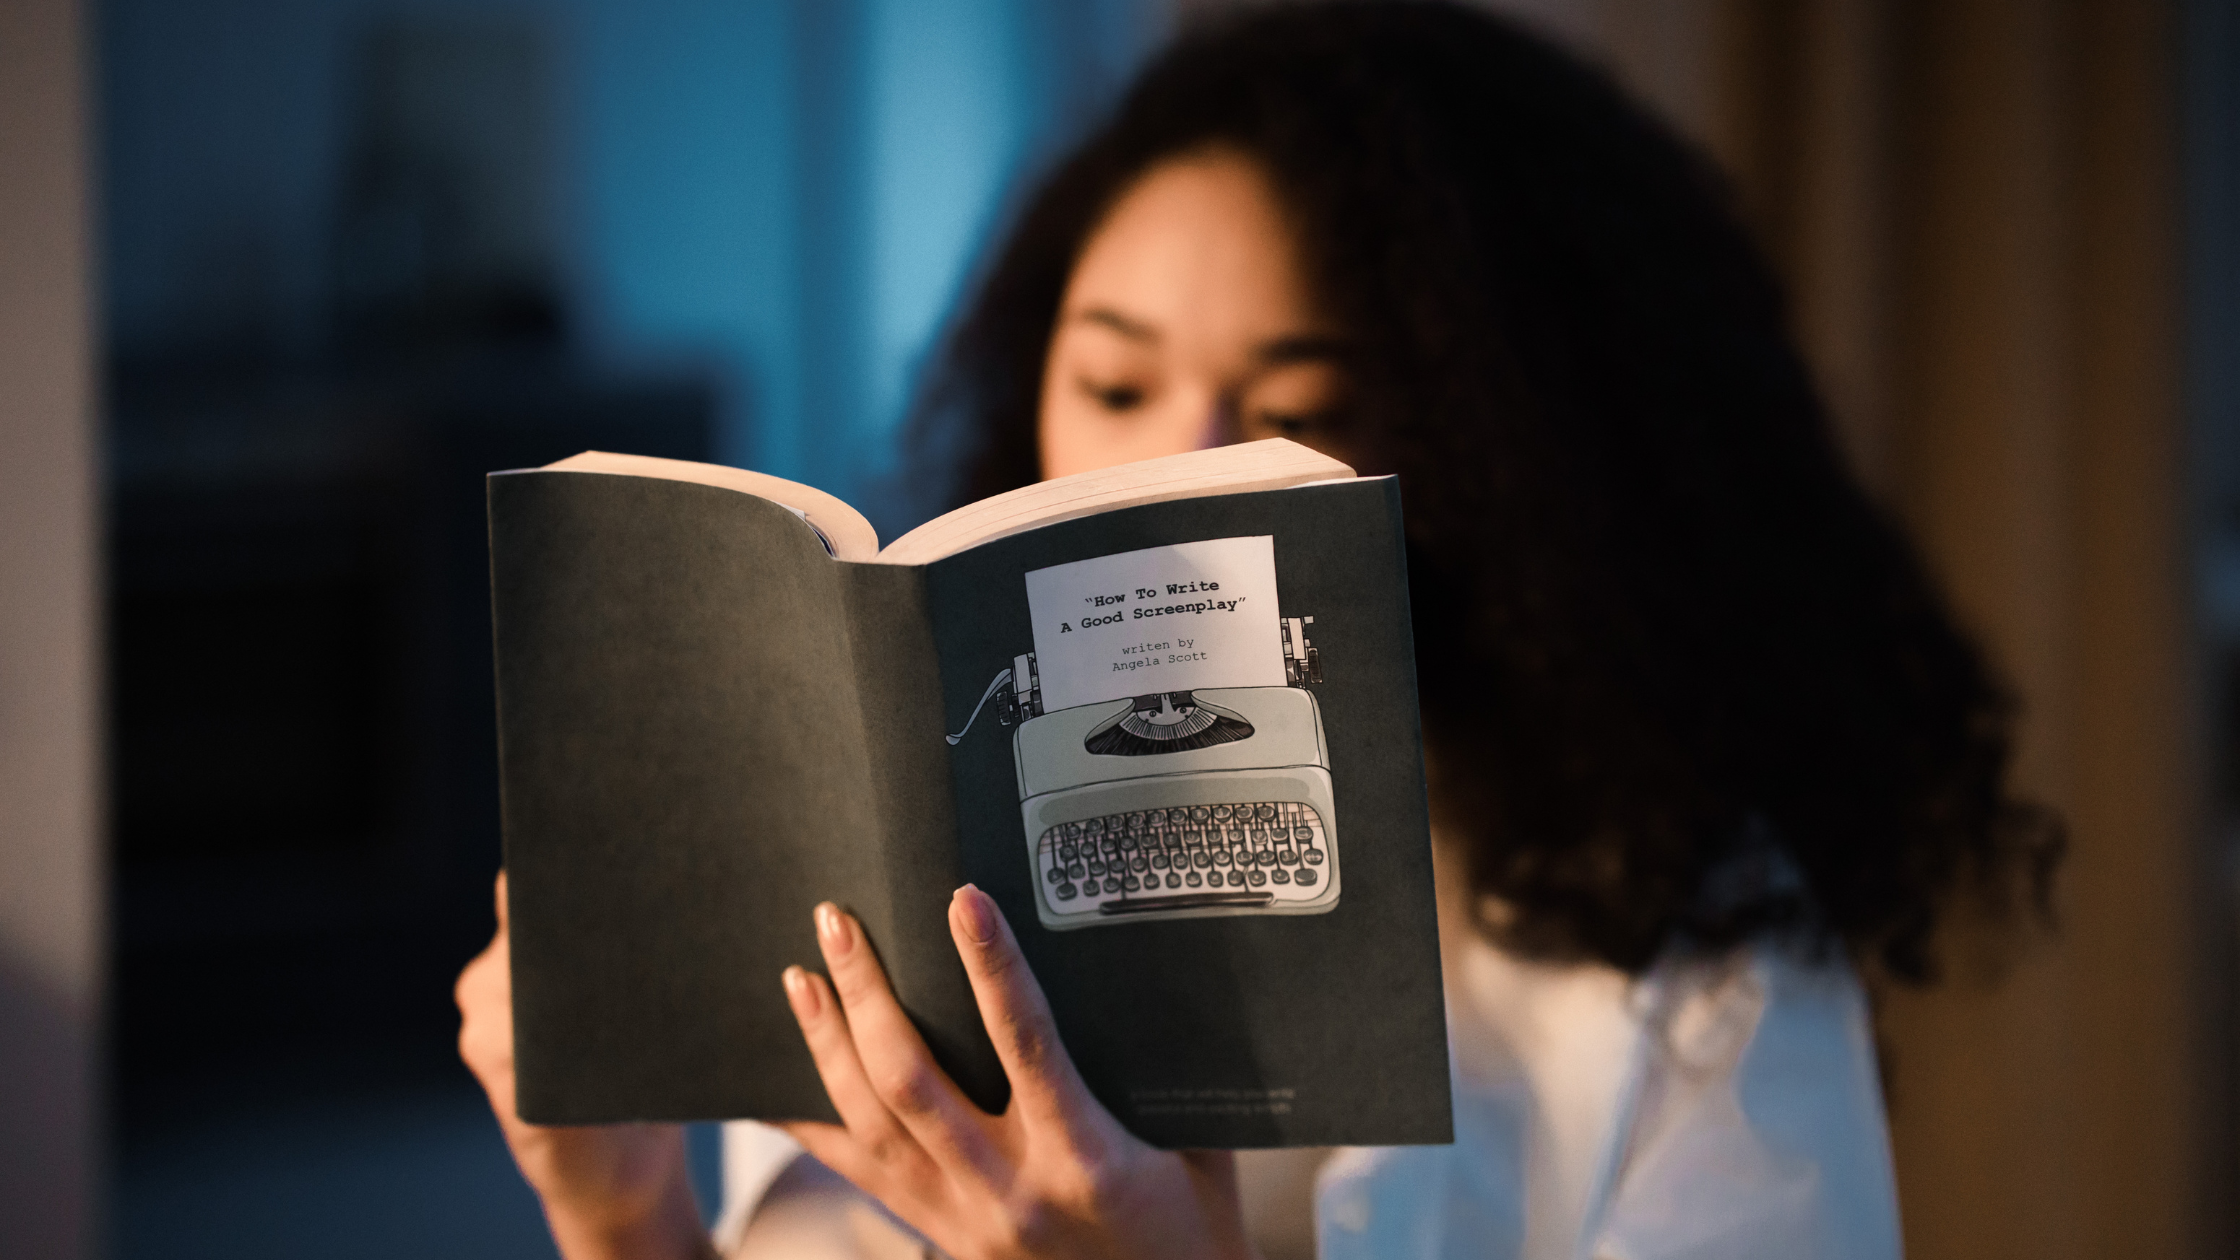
[1177,804]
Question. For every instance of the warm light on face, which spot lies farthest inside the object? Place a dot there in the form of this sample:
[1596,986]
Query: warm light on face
[1187,324]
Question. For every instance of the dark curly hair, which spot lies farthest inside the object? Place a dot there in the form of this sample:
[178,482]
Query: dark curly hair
[1699,688]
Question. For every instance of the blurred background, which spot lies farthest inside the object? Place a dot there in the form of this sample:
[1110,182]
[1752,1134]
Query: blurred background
[353,255]
[281,279]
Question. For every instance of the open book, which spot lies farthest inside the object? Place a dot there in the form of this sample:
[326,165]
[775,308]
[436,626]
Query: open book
[1164,714]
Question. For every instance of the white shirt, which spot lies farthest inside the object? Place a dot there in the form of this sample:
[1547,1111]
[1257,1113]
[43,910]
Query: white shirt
[1720,1108]
[1713,1108]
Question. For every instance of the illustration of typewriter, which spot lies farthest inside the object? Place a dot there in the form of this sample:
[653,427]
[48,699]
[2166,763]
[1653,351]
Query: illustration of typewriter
[1182,804]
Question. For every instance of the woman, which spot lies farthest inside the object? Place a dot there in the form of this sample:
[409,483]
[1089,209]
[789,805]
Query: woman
[1707,748]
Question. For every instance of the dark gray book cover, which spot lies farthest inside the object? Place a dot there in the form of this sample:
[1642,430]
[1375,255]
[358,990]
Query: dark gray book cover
[1177,743]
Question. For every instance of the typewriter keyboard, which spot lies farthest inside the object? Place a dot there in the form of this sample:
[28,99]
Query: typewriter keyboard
[1166,859]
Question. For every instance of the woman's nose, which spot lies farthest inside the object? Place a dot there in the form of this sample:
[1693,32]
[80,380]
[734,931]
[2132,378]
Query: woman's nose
[1217,426]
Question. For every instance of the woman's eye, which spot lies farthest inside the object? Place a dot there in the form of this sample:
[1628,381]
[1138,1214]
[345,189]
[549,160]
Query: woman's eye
[1299,401]
[1296,425]
[1118,397]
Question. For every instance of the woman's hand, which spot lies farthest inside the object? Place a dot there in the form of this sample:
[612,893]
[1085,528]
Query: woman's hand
[608,1190]
[1054,1175]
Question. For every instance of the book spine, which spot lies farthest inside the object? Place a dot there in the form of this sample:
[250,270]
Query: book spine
[899,703]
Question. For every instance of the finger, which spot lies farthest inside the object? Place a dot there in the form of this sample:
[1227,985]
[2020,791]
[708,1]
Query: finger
[895,1060]
[881,1136]
[485,997]
[837,1149]
[1043,1079]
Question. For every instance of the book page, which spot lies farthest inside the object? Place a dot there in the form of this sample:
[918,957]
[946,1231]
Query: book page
[844,531]
[1270,464]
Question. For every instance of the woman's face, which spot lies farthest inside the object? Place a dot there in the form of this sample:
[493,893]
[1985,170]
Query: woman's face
[1187,324]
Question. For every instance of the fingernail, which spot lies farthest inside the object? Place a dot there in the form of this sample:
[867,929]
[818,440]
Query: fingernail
[800,992]
[979,914]
[833,927]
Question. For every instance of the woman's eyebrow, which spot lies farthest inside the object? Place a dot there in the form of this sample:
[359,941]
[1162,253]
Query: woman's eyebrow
[1299,348]
[1132,329]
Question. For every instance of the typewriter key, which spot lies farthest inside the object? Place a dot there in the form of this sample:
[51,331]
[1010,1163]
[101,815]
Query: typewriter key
[1278,876]
[1057,874]
[1136,864]
[1306,877]
[1257,878]
[1076,871]
[1131,883]
[1193,881]
[1203,860]
[1159,861]
[1266,813]
[1112,883]
[1199,813]
[1314,856]
[1066,891]
[1173,880]
[1287,857]
[1221,813]
[1302,834]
